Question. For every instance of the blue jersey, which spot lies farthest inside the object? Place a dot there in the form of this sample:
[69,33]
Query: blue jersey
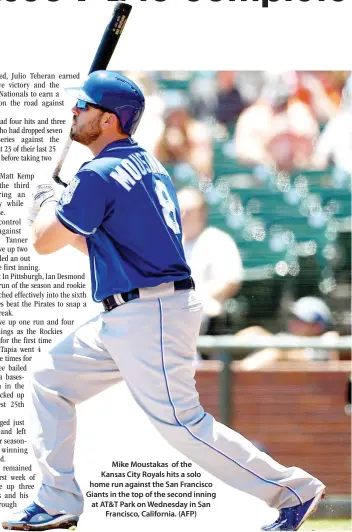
[124,203]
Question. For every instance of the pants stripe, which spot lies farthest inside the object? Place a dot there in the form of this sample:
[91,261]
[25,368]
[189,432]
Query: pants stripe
[194,435]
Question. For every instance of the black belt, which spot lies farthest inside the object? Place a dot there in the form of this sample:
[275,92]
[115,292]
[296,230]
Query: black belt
[112,302]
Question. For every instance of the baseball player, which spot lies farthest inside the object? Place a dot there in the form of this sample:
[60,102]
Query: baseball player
[121,209]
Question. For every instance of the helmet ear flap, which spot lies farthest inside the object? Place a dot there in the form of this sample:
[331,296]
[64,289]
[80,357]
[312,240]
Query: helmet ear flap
[118,124]
[130,116]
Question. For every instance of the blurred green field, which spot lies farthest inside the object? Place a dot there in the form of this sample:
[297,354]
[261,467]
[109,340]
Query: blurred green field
[327,524]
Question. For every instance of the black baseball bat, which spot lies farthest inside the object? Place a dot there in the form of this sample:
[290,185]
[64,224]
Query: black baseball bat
[101,60]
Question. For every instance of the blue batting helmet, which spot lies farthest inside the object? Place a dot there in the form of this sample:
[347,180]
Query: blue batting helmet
[115,93]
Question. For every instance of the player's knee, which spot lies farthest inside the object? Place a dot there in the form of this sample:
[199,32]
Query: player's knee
[48,377]
[43,377]
[48,385]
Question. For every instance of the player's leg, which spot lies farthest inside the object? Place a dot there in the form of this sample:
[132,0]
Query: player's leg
[76,369]
[154,345]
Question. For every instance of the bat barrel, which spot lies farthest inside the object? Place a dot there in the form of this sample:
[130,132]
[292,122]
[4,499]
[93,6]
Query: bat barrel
[111,37]
[123,8]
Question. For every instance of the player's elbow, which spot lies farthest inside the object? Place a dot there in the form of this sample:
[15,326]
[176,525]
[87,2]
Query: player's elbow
[37,243]
[44,245]
[42,249]
[50,236]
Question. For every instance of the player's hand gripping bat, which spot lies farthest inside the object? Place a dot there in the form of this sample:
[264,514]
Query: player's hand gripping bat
[101,60]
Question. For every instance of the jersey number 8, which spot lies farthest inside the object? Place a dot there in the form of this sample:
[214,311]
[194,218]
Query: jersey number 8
[169,209]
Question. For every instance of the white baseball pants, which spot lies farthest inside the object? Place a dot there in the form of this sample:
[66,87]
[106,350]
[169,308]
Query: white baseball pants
[151,344]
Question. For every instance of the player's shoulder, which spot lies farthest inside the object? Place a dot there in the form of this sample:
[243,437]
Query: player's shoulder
[99,169]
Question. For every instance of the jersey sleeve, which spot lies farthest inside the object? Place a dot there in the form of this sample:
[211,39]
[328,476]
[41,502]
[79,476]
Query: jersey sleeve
[82,205]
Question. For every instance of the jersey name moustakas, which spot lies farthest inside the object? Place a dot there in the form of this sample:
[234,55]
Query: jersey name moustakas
[125,205]
[134,167]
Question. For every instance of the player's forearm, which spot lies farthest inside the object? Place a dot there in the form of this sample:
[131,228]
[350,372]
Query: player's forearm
[43,220]
[48,234]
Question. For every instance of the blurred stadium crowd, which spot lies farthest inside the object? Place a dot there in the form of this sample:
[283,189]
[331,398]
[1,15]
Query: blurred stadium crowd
[262,163]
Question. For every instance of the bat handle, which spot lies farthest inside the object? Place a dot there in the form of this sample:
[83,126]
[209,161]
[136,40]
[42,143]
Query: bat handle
[57,180]
[57,170]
